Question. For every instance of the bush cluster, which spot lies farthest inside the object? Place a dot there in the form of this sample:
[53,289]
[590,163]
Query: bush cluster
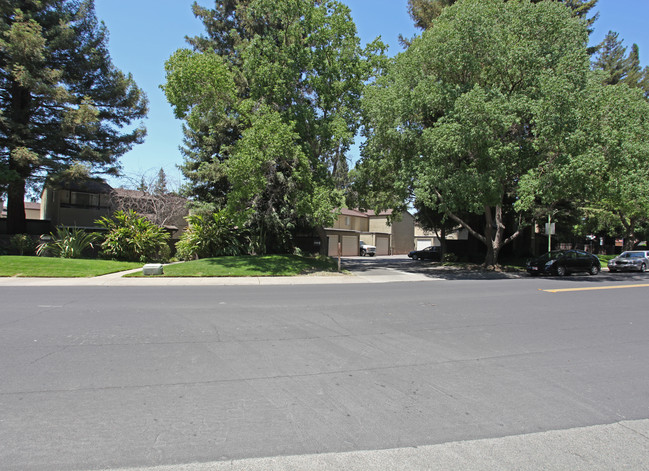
[128,237]
[67,243]
[209,236]
[131,237]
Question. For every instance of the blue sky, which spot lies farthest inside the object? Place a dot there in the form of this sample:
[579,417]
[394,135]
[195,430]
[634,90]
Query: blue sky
[144,33]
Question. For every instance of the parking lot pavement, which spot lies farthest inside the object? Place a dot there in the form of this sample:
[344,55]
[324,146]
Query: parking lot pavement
[386,268]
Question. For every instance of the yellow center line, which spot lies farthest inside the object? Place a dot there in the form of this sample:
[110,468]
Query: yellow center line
[593,288]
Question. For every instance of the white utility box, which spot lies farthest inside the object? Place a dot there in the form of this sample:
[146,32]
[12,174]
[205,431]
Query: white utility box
[152,269]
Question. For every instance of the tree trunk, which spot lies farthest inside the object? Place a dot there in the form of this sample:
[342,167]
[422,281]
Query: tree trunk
[16,220]
[324,243]
[442,243]
[18,135]
[494,230]
[494,233]
[630,239]
[491,260]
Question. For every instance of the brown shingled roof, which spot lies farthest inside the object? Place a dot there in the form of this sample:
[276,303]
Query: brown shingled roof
[363,214]
[129,193]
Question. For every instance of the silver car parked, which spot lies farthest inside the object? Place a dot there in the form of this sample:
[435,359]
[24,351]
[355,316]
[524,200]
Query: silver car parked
[631,260]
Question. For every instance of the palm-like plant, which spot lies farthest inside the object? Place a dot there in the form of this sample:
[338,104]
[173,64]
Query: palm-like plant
[67,243]
[132,237]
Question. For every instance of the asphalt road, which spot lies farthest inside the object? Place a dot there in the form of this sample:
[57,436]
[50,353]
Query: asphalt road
[119,377]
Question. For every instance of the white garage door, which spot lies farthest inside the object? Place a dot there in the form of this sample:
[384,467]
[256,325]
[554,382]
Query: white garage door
[350,246]
[333,246]
[423,243]
[382,246]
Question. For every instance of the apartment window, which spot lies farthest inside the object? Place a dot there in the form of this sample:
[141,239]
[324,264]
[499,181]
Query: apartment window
[348,221]
[78,199]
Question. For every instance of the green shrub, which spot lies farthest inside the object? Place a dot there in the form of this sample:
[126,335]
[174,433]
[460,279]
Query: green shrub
[209,236]
[133,238]
[22,244]
[164,255]
[67,243]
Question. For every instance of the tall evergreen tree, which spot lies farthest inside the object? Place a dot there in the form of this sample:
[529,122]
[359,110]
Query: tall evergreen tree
[618,67]
[636,76]
[612,59]
[159,186]
[62,101]
[142,186]
[423,12]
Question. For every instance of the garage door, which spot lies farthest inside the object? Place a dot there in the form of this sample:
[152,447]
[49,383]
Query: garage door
[350,246]
[423,243]
[382,246]
[333,246]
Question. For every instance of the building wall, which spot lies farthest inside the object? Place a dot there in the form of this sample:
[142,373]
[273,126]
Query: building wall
[56,206]
[379,224]
[403,232]
[421,232]
[78,217]
[422,235]
[32,213]
[351,223]
[47,204]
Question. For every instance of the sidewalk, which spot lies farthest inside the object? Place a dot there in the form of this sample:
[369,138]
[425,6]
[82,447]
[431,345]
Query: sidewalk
[118,279]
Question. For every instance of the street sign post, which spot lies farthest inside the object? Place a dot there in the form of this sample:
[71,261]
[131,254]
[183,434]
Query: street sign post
[549,230]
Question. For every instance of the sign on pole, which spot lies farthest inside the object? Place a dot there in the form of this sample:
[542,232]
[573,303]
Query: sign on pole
[550,228]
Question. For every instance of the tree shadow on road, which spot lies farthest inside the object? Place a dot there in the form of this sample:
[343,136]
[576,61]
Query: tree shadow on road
[435,270]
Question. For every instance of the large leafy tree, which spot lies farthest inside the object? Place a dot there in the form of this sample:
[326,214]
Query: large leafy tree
[62,101]
[607,174]
[615,168]
[473,106]
[292,66]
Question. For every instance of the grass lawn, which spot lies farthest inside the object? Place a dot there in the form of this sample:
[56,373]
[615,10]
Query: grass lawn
[603,259]
[11,265]
[250,265]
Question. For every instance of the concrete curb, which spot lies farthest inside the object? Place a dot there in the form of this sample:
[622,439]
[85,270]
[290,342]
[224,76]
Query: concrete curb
[622,445]
[117,279]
